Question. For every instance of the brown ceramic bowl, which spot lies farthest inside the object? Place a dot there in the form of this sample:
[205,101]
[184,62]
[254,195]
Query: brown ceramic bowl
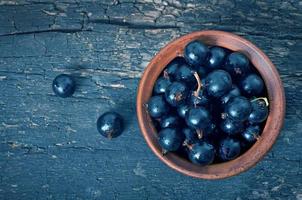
[275,94]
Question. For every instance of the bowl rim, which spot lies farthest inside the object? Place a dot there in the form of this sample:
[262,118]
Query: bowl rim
[276,99]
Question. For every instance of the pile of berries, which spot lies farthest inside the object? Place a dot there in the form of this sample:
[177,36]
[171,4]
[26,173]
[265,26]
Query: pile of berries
[209,106]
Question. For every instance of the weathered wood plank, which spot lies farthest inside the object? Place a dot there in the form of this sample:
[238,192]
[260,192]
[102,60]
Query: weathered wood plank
[50,148]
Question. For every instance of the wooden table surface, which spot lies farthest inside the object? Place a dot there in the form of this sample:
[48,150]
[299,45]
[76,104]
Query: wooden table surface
[50,148]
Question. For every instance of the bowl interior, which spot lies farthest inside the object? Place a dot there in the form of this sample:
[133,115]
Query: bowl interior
[275,94]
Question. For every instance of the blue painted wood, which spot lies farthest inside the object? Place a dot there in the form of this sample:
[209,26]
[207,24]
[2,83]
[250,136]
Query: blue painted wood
[50,148]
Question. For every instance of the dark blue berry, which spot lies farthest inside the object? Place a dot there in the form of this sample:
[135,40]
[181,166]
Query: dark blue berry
[216,58]
[63,85]
[251,133]
[202,153]
[238,108]
[218,83]
[259,111]
[185,74]
[231,127]
[110,125]
[170,139]
[182,110]
[190,135]
[157,106]
[237,64]
[169,121]
[229,149]
[176,94]
[198,118]
[173,66]
[252,85]
[234,92]
[201,100]
[161,85]
[196,53]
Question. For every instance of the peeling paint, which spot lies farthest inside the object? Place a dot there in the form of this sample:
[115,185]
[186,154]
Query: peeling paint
[139,171]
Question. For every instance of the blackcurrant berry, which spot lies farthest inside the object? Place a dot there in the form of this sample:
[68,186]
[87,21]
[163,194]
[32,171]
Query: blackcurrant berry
[190,135]
[173,66]
[229,149]
[63,85]
[110,125]
[216,57]
[182,110]
[176,94]
[185,74]
[196,53]
[218,83]
[234,92]
[252,85]
[237,64]
[157,106]
[198,118]
[251,133]
[161,85]
[259,110]
[202,153]
[238,108]
[231,127]
[170,139]
[169,121]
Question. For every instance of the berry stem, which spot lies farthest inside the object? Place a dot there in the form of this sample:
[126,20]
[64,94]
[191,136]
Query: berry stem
[187,145]
[164,152]
[199,85]
[256,137]
[262,98]
[166,75]
[199,133]
[224,115]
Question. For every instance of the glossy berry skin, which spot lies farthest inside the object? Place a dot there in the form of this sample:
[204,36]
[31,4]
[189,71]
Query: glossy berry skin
[64,85]
[190,135]
[229,149]
[231,127]
[173,66]
[110,125]
[237,64]
[169,121]
[157,106]
[176,94]
[218,83]
[198,118]
[196,53]
[238,108]
[185,74]
[161,85]
[259,111]
[252,85]
[202,153]
[182,110]
[251,134]
[170,139]
[216,57]
[234,92]
[201,100]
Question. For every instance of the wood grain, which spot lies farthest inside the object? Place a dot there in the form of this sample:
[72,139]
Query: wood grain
[50,148]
